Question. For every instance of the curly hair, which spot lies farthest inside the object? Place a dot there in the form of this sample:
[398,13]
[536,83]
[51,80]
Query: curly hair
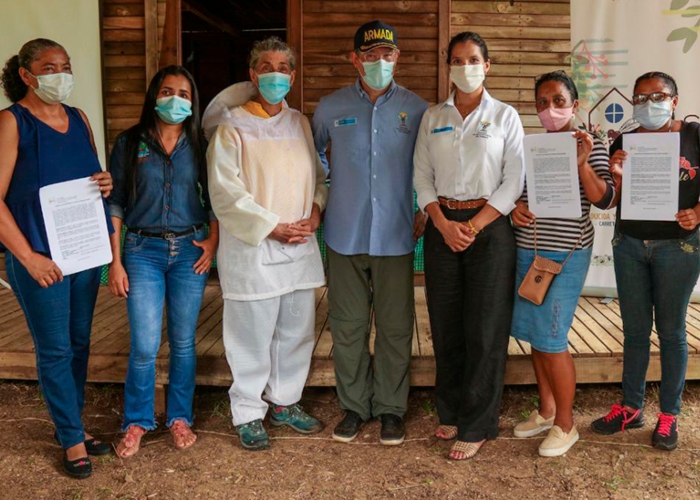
[12,84]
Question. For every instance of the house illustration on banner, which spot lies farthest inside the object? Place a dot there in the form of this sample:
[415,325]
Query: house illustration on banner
[612,115]
[596,68]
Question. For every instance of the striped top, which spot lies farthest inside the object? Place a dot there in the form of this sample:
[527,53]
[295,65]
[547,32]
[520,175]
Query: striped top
[560,235]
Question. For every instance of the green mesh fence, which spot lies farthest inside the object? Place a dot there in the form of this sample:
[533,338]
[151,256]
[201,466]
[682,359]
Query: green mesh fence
[418,261]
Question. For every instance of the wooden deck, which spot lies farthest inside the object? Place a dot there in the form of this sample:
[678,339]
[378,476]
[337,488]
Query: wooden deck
[595,341]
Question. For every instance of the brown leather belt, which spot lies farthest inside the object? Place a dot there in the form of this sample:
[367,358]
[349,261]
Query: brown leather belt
[461,205]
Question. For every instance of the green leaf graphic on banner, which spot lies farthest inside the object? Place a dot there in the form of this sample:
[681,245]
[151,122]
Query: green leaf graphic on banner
[688,34]
[678,4]
[689,41]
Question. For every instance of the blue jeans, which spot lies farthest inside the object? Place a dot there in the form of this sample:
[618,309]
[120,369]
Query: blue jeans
[161,271]
[655,277]
[59,319]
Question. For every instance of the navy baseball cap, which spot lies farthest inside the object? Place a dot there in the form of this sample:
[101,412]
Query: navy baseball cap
[375,34]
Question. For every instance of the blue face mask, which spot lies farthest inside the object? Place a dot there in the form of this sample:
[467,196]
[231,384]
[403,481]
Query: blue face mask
[378,74]
[652,115]
[274,86]
[173,109]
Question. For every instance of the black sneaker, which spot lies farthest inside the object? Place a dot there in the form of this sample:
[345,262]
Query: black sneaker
[665,435]
[78,469]
[393,430]
[618,420]
[349,427]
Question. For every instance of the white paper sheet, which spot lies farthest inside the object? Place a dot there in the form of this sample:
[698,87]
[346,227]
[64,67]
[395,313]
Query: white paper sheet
[650,176]
[76,225]
[552,175]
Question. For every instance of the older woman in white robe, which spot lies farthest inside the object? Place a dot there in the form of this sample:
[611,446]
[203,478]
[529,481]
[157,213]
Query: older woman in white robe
[267,188]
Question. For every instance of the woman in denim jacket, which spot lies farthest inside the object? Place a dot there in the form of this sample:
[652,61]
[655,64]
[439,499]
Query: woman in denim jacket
[159,171]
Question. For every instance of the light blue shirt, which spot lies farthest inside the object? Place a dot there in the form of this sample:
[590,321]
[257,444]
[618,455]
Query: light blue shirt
[370,202]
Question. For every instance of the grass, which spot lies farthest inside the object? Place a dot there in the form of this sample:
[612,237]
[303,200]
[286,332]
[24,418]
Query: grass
[222,409]
[429,407]
[614,483]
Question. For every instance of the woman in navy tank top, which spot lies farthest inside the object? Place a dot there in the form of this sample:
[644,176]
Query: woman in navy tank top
[43,142]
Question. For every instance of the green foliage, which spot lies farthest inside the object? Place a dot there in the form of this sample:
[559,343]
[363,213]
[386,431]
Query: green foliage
[687,34]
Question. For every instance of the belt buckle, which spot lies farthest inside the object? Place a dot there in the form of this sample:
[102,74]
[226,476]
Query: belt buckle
[169,236]
[452,204]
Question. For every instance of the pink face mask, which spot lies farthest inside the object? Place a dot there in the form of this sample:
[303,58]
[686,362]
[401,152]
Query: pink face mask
[555,119]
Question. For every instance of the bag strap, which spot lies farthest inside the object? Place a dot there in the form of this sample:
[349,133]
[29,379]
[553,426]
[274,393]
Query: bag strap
[570,253]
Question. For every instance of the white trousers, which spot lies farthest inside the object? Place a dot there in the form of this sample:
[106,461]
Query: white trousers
[268,348]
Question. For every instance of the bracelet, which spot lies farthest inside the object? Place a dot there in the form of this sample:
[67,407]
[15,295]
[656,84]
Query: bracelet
[471,226]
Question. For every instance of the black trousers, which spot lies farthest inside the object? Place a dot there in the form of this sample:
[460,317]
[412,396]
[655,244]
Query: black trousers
[470,303]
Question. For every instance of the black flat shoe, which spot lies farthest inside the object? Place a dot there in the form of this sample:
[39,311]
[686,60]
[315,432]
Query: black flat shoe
[78,469]
[93,446]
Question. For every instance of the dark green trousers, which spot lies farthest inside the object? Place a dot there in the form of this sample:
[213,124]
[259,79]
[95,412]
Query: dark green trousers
[358,285]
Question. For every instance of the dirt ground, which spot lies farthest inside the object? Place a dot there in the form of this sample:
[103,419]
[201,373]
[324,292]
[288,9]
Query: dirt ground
[620,466]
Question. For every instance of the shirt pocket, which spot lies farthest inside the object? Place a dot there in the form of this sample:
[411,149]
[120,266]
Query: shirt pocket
[349,142]
[442,143]
[275,252]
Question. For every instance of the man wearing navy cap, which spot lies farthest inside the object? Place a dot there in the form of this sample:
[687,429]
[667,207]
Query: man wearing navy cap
[370,231]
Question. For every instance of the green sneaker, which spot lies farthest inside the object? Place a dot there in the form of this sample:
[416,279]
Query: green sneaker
[296,418]
[253,435]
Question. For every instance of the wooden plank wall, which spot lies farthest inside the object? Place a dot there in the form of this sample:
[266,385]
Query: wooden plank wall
[124,55]
[125,59]
[526,39]
[328,30]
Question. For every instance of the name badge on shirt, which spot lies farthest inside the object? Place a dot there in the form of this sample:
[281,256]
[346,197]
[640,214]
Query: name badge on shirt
[441,130]
[344,122]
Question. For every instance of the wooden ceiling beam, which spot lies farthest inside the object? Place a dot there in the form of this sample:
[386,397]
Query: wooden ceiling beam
[209,17]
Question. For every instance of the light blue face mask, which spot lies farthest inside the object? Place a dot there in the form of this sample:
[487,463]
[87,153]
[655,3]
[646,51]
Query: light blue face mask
[652,115]
[274,86]
[378,74]
[173,109]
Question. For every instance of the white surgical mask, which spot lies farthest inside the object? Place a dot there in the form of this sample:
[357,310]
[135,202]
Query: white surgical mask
[468,78]
[652,115]
[54,88]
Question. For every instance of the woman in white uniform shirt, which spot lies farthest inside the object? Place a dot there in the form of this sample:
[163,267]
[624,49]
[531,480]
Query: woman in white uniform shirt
[468,174]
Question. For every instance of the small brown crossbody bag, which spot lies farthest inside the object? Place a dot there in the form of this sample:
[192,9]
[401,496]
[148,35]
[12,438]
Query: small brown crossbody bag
[542,272]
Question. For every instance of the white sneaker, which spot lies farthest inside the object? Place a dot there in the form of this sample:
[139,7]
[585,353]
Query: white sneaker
[533,426]
[558,442]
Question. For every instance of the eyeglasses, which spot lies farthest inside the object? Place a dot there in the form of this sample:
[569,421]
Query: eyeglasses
[653,97]
[376,56]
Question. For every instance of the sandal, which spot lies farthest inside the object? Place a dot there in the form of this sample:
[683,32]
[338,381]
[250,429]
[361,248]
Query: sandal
[446,432]
[182,434]
[253,436]
[131,442]
[469,449]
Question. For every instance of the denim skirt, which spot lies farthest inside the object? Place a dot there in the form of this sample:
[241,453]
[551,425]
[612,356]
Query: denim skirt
[546,326]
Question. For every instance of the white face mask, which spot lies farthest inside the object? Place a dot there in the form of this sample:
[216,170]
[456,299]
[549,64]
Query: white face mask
[54,88]
[468,78]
